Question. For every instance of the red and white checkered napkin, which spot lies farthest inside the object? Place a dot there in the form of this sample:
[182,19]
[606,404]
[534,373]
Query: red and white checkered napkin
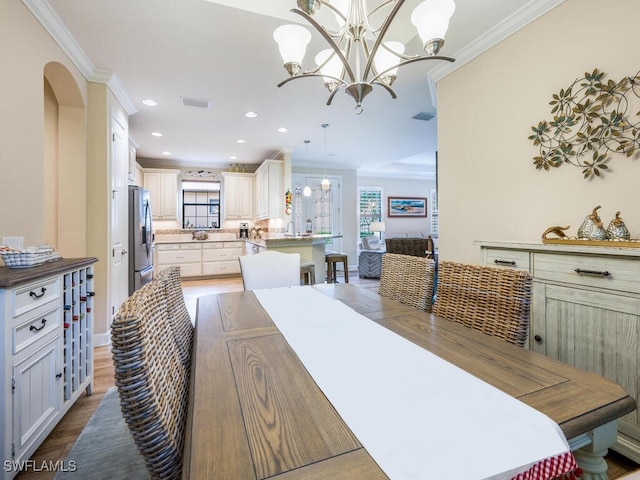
[561,467]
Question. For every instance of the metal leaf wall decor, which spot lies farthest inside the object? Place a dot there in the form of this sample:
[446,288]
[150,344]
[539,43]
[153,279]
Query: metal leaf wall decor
[592,118]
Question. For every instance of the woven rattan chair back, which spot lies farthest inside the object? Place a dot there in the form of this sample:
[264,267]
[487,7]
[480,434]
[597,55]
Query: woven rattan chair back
[407,279]
[151,379]
[492,300]
[178,315]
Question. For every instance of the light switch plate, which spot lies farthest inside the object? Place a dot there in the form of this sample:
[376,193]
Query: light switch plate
[13,242]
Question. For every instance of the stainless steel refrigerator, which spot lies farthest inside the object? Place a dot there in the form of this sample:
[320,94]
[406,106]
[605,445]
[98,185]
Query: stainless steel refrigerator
[140,238]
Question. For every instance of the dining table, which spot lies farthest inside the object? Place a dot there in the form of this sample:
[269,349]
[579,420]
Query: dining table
[333,381]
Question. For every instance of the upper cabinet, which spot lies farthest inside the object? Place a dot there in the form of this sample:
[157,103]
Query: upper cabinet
[238,197]
[163,191]
[269,190]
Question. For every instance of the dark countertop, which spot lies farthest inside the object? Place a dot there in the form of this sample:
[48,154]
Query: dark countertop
[13,276]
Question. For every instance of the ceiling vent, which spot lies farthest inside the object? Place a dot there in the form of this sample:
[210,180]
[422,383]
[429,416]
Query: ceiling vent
[426,116]
[194,102]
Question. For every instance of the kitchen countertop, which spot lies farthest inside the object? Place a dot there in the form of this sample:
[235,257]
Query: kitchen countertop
[188,238]
[279,238]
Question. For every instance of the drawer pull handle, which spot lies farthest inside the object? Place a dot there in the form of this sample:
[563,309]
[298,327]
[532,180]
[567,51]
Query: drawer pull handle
[537,338]
[35,295]
[593,272]
[33,328]
[58,375]
[504,262]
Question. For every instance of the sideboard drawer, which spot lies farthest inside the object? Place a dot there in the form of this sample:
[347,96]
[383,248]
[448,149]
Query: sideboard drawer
[588,270]
[519,259]
[33,330]
[33,295]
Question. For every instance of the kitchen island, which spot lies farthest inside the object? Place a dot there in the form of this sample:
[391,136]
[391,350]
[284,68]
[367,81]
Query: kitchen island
[309,246]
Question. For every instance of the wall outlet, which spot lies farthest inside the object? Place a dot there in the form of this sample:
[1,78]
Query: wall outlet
[13,242]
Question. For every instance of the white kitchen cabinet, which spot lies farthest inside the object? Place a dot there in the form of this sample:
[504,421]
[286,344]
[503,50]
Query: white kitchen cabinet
[238,197]
[188,256]
[221,258]
[197,259]
[585,312]
[269,190]
[163,191]
[46,348]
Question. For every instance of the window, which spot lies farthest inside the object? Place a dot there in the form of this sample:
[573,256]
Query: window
[322,207]
[370,208]
[200,205]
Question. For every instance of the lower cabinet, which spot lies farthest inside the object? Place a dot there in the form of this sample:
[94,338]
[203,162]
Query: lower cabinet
[202,258]
[47,352]
[186,255]
[221,258]
[585,312]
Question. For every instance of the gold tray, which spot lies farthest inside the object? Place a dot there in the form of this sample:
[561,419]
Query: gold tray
[565,240]
[593,243]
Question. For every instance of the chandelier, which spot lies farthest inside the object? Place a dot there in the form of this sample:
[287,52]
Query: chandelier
[359,57]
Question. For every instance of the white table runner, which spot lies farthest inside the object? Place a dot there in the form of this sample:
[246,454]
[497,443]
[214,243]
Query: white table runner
[417,415]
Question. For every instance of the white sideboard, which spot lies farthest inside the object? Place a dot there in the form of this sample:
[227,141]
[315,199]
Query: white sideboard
[585,311]
[46,351]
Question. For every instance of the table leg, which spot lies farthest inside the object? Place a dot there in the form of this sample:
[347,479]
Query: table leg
[590,457]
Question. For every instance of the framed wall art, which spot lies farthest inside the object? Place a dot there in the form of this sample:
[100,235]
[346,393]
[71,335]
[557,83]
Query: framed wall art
[406,207]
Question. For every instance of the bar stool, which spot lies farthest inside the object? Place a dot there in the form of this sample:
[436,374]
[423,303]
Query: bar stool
[332,258]
[307,272]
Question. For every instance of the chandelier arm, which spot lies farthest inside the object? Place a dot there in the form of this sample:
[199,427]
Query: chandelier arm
[411,60]
[333,94]
[336,11]
[329,40]
[379,7]
[383,30]
[310,74]
[387,87]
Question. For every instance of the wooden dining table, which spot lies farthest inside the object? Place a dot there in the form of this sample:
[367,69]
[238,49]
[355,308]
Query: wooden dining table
[255,412]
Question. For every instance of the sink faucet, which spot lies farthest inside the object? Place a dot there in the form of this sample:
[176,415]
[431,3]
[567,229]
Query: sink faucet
[293,227]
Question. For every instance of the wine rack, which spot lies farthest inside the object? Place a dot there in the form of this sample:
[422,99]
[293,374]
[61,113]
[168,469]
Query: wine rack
[78,295]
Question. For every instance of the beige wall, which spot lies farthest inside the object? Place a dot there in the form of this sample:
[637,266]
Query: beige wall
[54,150]
[488,186]
[25,49]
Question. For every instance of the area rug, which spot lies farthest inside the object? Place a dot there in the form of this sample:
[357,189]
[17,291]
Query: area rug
[105,449]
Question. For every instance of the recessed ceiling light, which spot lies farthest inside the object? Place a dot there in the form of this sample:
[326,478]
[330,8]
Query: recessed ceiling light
[233,157]
[251,114]
[240,140]
[156,134]
[282,130]
[166,153]
[150,102]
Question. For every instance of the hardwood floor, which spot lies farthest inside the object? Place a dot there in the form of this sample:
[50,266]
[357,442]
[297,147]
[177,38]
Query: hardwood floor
[58,444]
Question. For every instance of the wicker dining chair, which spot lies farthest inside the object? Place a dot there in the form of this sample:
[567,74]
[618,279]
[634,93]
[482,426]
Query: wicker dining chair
[152,382]
[178,315]
[407,279]
[495,301]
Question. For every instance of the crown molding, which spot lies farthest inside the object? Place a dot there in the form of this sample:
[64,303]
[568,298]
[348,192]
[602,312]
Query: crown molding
[61,35]
[525,15]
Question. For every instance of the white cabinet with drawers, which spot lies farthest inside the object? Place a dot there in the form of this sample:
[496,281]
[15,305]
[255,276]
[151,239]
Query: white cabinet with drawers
[201,258]
[585,311]
[188,256]
[46,350]
[221,258]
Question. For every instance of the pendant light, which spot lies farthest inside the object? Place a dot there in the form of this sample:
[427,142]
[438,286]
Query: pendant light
[325,181]
[307,189]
